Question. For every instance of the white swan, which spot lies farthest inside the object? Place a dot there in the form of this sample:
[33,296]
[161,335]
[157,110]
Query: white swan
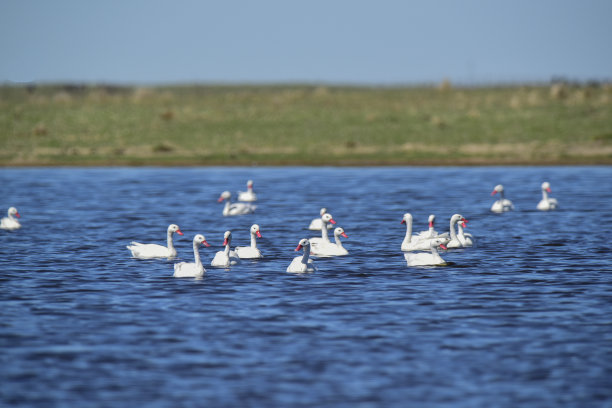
[331,249]
[431,232]
[191,269]
[235,208]
[303,263]
[316,224]
[412,242]
[10,223]
[503,204]
[250,252]
[248,195]
[454,239]
[431,258]
[547,203]
[466,239]
[148,251]
[324,240]
[225,258]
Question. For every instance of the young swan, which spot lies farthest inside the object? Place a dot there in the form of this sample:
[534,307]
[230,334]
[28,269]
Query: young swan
[234,208]
[316,224]
[302,263]
[503,204]
[331,249]
[547,203]
[431,258]
[250,252]
[248,195]
[10,223]
[148,251]
[191,269]
[225,258]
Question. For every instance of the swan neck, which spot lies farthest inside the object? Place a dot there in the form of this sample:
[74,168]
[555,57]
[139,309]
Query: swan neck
[338,242]
[196,255]
[324,235]
[408,236]
[544,195]
[306,255]
[253,240]
[226,208]
[170,243]
[453,233]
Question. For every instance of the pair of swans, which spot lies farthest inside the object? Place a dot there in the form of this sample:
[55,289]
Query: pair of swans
[10,222]
[196,269]
[322,246]
[503,204]
[421,241]
[234,208]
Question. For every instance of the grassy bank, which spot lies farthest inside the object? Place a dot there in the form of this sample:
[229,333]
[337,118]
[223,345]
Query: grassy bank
[304,125]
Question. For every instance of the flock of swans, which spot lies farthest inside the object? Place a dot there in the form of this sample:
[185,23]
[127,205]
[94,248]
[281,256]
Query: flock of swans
[419,249]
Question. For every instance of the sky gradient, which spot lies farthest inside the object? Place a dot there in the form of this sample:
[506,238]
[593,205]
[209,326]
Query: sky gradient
[381,42]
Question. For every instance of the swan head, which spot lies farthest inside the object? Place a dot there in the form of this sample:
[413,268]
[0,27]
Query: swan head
[407,218]
[327,217]
[304,243]
[172,228]
[13,211]
[458,217]
[199,239]
[227,238]
[255,230]
[498,189]
[250,183]
[226,195]
[439,242]
[339,232]
[432,220]
[323,211]
[546,186]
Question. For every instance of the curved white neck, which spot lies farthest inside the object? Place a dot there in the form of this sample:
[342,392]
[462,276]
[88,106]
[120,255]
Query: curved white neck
[408,236]
[324,235]
[253,240]
[170,243]
[453,233]
[544,195]
[338,242]
[226,208]
[306,255]
[196,255]
[227,248]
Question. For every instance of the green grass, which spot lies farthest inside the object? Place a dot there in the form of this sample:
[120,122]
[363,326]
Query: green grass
[305,125]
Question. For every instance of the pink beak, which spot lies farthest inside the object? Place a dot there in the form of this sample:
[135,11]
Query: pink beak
[258,234]
[493,193]
[19,216]
[298,247]
[179,232]
[220,199]
[344,235]
[332,221]
[205,243]
[224,242]
[403,222]
[431,224]
[463,224]
[549,190]
[443,246]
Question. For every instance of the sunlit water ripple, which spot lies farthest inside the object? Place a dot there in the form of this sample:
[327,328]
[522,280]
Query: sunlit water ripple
[521,319]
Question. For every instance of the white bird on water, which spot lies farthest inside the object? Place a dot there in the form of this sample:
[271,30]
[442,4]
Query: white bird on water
[412,242]
[431,258]
[227,257]
[547,203]
[301,264]
[10,223]
[331,249]
[503,204]
[317,223]
[234,208]
[192,269]
[250,252]
[248,195]
[148,251]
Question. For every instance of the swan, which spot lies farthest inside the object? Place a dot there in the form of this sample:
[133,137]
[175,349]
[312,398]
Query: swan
[412,242]
[466,239]
[454,239]
[431,258]
[234,208]
[250,252]
[431,232]
[10,223]
[191,269]
[331,249]
[503,204]
[148,251]
[225,258]
[302,263]
[248,195]
[316,224]
[324,240]
[547,203]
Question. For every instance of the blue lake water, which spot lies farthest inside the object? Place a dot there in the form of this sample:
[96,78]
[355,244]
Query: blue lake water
[524,318]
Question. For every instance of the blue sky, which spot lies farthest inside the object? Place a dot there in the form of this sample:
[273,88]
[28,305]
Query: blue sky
[380,42]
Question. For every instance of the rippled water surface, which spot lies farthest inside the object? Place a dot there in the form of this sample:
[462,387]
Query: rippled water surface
[524,318]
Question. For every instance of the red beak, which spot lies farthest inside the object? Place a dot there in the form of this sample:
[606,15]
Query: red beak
[224,242]
[298,247]
[431,224]
[344,235]
[493,193]
[403,222]
[332,221]
[179,232]
[19,216]
[549,190]
[205,243]
[443,246]
[220,199]
[463,224]
[258,234]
